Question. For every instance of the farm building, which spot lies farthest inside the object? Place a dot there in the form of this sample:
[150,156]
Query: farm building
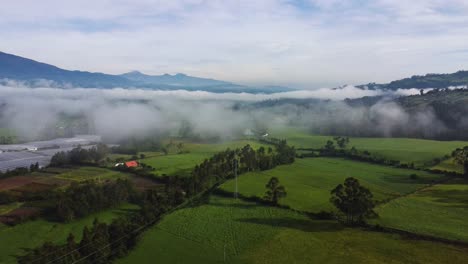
[131,164]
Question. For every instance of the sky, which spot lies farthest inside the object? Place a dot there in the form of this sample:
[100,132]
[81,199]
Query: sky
[305,44]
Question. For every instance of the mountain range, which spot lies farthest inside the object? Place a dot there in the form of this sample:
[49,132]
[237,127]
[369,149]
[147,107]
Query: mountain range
[34,73]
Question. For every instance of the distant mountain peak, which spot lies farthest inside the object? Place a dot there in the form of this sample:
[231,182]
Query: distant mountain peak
[136,72]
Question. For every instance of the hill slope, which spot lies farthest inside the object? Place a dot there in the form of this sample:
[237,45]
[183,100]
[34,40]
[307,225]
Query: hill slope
[431,80]
[23,69]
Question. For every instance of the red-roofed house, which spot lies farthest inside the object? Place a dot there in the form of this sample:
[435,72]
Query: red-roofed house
[131,164]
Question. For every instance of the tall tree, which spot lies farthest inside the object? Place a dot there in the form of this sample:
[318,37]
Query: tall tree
[71,248]
[341,141]
[460,156]
[353,200]
[275,191]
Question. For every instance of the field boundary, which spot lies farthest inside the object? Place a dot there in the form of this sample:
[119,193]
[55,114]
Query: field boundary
[415,236]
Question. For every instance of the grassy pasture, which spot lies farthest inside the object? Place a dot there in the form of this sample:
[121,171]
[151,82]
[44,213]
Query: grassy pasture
[406,150]
[5,132]
[33,233]
[6,208]
[59,177]
[175,164]
[440,210]
[449,165]
[90,173]
[309,181]
[250,233]
[182,164]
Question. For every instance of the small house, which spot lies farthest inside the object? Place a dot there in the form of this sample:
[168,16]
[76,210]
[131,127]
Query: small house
[131,164]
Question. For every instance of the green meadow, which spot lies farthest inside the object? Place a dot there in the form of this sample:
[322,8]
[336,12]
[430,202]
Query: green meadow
[406,150]
[309,181]
[6,208]
[191,155]
[440,210]
[449,165]
[13,240]
[225,230]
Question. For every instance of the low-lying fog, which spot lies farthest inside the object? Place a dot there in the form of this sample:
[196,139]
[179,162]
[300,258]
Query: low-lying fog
[119,113]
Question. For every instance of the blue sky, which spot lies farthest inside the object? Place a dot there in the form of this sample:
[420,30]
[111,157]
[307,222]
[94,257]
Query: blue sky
[301,43]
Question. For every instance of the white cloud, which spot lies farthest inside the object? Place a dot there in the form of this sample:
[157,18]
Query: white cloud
[324,43]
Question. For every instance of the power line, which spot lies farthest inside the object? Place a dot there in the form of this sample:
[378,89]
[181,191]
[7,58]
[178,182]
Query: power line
[138,229]
[236,164]
[77,249]
[109,244]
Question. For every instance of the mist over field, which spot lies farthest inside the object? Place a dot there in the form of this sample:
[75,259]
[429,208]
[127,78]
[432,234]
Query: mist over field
[120,113]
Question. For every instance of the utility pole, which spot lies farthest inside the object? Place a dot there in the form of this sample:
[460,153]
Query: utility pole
[224,252]
[235,165]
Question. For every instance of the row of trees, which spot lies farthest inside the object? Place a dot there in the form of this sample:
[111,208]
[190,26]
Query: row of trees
[20,171]
[338,148]
[80,200]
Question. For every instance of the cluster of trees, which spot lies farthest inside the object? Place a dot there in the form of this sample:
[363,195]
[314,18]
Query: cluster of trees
[331,150]
[222,165]
[354,201]
[99,244]
[460,156]
[80,200]
[79,156]
[19,171]
[102,243]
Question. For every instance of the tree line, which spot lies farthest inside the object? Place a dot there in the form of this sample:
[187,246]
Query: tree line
[337,147]
[102,242]
[20,171]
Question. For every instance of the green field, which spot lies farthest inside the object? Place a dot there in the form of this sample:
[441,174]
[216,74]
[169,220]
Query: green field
[309,181]
[182,164]
[7,136]
[406,150]
[6,208]
[90,173]
[33,233]
[449,165]
[6,132]
[440,210]
[250,233]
